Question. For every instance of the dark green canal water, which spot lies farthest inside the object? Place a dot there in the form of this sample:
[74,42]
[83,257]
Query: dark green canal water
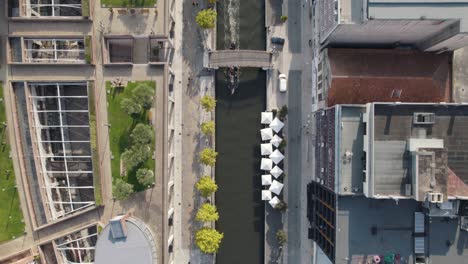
[237,137]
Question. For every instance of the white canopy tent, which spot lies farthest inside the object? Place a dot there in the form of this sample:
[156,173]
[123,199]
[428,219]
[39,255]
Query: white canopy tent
[266,133]
[276,140]
[276,125]
[276,172]
[266,164]
[266,195]
[266,149]
[267,117]
[266,179]
[276,156]
[276,187]
[274,202]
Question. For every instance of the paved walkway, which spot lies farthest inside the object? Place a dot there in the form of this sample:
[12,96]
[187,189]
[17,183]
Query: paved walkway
[240,58]
[191,44]
[295,59]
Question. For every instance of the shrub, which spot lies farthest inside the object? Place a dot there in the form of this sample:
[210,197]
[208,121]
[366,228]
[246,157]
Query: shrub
[130,106]
[142,134]
[207,213]
[282,206]
[206,186]
[283,112]
[208,156]
[282,145]
[206,18]
[122,190]
[144,95]
[208,128]
[145,177]
[208,240]
[284,18]
[208,103]
[281,237]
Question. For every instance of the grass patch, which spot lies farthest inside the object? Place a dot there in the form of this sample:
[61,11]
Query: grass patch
[94,150]
[121,127]
[85,8]
[11,216]
[128,3]
[88,49]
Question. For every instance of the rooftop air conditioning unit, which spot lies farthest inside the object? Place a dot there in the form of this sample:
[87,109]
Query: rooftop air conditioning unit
[435,197]
[423,118]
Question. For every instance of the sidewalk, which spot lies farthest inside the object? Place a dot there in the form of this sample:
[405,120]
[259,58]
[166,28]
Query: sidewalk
[295,60]
[191,43]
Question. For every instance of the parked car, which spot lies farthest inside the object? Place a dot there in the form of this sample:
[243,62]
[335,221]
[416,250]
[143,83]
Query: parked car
[278,41]
[282,83]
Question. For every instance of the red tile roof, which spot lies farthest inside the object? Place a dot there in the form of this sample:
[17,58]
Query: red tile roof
[364,75]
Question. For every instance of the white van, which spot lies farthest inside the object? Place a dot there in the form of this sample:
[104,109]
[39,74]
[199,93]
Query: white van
[282,83]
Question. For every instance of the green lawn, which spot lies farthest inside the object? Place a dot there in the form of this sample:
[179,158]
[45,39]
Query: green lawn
[11,217]
[121,127]
[128,3]
[95,153]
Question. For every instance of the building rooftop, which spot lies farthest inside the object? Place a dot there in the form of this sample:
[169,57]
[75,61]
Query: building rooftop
[350,149]
[394,125]
[369,227]
[418,9]
[135,247]
[359,76]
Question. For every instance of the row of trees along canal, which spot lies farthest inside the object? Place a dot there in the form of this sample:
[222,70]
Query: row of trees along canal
[207,238]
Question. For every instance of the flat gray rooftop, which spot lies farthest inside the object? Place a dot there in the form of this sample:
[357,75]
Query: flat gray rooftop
[393,126]
[135,248]
[368,227]
[350,150]
[415,9]
[393,225]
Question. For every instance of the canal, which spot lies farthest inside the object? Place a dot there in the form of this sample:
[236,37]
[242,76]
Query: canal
[237,137]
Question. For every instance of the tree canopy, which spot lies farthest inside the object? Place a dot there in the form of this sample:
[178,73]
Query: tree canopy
[144,95]
[142,134]
[208,103]
[206,186]
[122,190]
[208,240]
[145,177]
[208,128]
[207,213]
[208,156]
[135,155]
[130,106]
[206,18]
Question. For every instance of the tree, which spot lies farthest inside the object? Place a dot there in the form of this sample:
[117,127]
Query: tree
[142,134]
[135,155]
[145,177]
[283,112]
[208,156]
[206,186]
[144,94]
[129,106]
[208,103]
[207,213]
[208,128]
[206,18]
[122,190]
[208,240]
[281,237]
[212,1]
